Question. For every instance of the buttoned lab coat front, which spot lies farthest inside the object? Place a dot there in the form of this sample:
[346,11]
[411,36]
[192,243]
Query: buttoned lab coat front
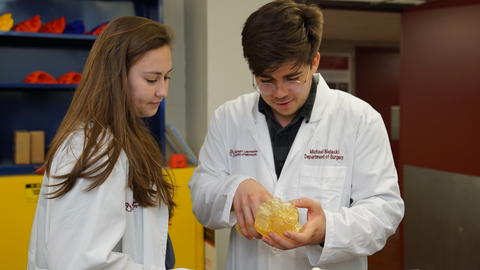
[104,228]
[341,158]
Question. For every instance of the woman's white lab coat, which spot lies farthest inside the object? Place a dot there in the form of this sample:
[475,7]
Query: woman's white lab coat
[341,158]
[101,229]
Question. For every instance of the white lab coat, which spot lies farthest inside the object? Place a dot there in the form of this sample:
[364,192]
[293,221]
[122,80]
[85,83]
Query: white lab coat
[100,229]
[343,153]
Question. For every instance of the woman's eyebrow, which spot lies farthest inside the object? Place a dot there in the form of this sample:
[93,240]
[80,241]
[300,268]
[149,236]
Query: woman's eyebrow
[158,72]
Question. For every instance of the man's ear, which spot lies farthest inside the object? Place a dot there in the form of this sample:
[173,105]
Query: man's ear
[315,62]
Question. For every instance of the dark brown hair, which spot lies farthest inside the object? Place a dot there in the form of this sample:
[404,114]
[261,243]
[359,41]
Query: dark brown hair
[281,32]
[102,107]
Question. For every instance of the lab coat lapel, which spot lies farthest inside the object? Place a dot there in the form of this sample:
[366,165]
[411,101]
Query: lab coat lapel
[260,135]
[304,135]
[307,130]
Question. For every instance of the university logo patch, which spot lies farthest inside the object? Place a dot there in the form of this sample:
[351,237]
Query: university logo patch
[243,153]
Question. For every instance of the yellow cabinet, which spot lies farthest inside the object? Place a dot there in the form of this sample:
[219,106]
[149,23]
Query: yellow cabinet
[185,231]
[18,198]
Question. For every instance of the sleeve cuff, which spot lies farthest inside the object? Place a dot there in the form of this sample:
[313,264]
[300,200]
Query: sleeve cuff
[318,253]
[228,216]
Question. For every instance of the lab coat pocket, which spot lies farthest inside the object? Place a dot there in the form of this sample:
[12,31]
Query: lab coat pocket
[324,184]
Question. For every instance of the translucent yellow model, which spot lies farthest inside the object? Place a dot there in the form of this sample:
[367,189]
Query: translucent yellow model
[277,216]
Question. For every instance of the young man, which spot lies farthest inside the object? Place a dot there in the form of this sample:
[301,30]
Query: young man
[298,140]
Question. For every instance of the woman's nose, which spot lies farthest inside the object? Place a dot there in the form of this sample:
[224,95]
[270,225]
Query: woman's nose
[162,90]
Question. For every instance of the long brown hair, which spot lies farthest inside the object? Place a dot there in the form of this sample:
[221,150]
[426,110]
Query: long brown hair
[102,107]
[281,32]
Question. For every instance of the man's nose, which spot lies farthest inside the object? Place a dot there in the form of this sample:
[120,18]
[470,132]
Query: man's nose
[280,92]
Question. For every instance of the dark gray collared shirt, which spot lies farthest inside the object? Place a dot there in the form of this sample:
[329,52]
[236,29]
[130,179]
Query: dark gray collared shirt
[282,138]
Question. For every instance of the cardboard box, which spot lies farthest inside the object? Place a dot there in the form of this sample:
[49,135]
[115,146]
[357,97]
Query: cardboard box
[37,146]
[21,149]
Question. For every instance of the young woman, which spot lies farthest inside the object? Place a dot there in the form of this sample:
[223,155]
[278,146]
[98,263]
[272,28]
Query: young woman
[106,200]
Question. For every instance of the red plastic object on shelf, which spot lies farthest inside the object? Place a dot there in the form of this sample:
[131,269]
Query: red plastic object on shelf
[70,78]
[40,77]
[178,161]
[40,170]
[55,26]
[31,25]
[96,30]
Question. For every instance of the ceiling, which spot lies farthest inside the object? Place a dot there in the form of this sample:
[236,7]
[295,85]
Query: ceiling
[354,25]
[370,5]
[363,20]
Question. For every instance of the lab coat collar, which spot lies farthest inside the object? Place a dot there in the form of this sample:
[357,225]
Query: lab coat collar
[259,129]
[321,100]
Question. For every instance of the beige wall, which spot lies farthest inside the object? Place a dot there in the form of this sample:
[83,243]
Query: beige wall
[209,67]
[175,103]
[216,70]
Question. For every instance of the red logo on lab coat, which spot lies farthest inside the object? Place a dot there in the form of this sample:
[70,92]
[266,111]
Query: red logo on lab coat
[236,153]
[131,207]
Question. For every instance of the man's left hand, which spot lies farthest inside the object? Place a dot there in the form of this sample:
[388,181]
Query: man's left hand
[313,231]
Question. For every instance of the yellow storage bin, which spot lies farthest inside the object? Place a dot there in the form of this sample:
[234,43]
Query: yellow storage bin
[185,231]
[19,195]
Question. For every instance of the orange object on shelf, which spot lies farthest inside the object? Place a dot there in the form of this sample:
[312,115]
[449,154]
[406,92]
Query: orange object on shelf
[55,26]
[31,25]
[40,77]
[96,30]
[6,22]
[40,169]
[178,161]
[70,78]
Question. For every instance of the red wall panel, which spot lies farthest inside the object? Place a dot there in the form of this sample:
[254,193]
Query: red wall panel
[440,88]
[377,82]
[377,73]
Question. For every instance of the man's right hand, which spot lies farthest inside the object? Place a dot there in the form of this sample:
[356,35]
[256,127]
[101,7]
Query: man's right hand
[248,196]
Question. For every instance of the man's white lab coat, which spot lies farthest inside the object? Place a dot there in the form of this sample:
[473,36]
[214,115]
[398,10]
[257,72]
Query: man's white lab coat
[341,158]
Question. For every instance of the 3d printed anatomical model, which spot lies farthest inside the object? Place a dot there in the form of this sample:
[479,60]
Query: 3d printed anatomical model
[275,215]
